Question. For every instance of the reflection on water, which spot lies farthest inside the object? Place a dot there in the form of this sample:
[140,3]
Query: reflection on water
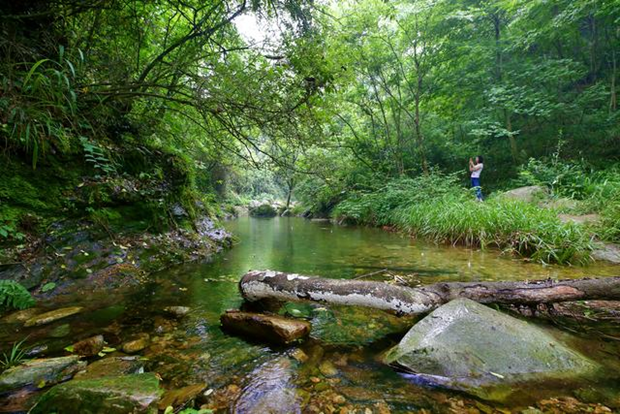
[339,366]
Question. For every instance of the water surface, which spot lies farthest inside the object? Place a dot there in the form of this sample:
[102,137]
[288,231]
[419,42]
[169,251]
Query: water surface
[340,365]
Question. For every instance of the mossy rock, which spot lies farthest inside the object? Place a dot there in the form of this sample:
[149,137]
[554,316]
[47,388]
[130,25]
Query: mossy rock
[137,393]
[264,210]
[470,347]
[36,371]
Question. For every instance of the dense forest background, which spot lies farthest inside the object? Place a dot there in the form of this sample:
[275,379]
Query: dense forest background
[126,109]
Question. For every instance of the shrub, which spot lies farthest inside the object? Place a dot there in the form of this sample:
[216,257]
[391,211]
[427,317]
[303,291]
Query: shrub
[264,210]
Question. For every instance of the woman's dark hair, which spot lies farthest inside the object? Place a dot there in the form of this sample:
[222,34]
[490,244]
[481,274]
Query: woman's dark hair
[480,160]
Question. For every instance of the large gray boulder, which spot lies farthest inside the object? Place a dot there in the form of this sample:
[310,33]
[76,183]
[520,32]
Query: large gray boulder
[136,393]
[470,347]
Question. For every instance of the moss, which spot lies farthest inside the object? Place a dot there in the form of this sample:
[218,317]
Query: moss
[110,395]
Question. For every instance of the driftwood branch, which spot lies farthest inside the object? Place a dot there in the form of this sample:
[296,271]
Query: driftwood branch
[268,284]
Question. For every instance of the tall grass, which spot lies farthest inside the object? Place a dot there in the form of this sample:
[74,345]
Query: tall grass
[514,226]
[437,208]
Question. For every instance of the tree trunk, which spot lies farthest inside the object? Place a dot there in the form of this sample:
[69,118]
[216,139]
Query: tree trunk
[268,284]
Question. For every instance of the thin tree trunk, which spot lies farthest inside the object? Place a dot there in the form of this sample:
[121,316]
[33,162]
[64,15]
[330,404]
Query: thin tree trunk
[269,284]
[613,101]
[513,142]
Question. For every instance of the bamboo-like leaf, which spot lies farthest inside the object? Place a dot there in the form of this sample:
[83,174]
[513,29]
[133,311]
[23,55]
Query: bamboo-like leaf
[32,69]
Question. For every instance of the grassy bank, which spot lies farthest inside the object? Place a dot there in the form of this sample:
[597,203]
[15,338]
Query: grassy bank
[437,207]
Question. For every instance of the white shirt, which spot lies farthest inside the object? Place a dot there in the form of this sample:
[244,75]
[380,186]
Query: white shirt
[477,170]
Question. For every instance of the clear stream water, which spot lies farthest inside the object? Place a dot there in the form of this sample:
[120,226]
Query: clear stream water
[340,365]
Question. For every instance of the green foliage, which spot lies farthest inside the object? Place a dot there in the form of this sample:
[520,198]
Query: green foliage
[15,356]
[598,191]
[97,157]
[376,207]
[264,210]
[43,112]
[609,227]
[193,411]
[48,287]
[14,296]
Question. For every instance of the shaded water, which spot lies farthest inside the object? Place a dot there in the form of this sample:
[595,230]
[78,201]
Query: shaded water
[340,365]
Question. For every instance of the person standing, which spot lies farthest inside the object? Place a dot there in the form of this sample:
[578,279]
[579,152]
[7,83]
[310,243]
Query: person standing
[476,168]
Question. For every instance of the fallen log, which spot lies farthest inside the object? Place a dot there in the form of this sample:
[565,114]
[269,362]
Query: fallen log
[269,284]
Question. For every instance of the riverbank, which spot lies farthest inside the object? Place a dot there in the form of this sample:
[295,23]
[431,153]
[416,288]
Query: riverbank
[529,222]
[67,224]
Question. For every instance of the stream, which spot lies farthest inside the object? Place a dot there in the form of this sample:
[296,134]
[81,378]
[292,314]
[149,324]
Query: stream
[338,369]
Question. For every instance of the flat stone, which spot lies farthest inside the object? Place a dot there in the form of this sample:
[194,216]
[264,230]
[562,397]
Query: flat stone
[136,344]
[275,329]
[52,316]
[468,346]
[582,219]
[112,367]
[527,194]
[35,371]
[175,398]
[136,394]
[21,316]
[89,346]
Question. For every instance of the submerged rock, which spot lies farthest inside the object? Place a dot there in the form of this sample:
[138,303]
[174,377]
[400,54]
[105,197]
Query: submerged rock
[89,346]
[61,331]
[527,194]
[176,398]
[137,393]
[52,316]
[328,369]
[137,344]
[275,329]
[37,371]
[21,316]
[177,311]
[270,389]
[112,367]
[467,346]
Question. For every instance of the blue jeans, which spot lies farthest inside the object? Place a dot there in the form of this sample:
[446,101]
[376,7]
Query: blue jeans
[475,183]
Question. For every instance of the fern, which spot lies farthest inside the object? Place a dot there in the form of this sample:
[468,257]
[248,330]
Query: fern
[14,296]
[95,156]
